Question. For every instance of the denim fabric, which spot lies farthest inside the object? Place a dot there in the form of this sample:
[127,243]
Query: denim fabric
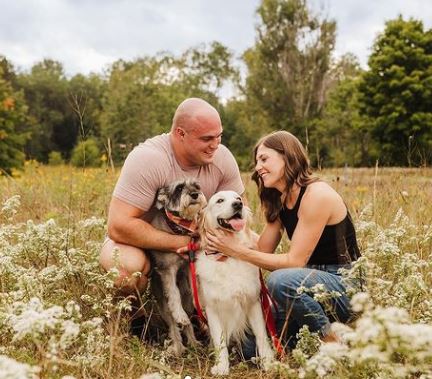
[298,309]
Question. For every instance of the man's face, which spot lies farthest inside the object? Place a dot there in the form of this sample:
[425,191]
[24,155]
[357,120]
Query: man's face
[203,139]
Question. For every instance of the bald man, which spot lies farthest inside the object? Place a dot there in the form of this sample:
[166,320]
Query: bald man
[191,149]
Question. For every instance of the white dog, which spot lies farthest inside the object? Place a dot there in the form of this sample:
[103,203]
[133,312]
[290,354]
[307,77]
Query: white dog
[229,289]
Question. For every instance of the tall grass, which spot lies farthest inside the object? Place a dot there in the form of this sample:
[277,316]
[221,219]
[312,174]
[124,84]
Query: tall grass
[60,315]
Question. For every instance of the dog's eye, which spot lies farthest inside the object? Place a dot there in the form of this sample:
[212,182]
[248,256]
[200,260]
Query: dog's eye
[179,188]
[219,201]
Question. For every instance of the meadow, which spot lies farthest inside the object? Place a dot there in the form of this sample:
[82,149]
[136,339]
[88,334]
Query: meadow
[60,316]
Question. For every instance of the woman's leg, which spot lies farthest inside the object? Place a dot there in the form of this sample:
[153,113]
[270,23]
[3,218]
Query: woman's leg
[297,309]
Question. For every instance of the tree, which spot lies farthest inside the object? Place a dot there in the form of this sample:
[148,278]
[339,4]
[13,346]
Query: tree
[13,117]
[396,93]
[341,135]
[288,66]
[53,124]
[86,154]
[85,96]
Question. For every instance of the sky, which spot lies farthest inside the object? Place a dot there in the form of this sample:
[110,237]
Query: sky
[87,35]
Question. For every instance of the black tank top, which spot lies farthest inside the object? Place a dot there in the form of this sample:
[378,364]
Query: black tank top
[337,244]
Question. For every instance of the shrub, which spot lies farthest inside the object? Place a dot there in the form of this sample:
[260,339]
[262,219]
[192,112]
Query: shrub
[86,154]
[55,158]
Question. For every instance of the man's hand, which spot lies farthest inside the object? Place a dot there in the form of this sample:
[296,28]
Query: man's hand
[183,251]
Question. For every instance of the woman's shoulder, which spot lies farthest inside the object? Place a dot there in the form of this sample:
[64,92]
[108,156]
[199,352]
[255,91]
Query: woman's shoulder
[319,187]
[321,191]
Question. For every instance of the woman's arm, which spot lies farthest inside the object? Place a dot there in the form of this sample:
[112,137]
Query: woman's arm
[270,237]
[313,217]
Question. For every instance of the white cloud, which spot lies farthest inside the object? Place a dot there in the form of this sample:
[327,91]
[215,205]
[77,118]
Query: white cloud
[87,35]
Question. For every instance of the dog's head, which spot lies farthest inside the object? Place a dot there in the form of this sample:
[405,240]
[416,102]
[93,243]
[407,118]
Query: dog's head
[183,197]
[225,210]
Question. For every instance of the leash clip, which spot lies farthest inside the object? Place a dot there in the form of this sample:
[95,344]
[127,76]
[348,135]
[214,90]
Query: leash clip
[192,247]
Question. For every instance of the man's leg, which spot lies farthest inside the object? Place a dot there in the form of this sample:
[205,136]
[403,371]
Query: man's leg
[130,260]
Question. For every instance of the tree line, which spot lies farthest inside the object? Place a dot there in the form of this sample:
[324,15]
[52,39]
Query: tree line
[343,114]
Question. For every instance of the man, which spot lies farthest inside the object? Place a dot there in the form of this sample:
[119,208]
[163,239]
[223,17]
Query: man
[191,149]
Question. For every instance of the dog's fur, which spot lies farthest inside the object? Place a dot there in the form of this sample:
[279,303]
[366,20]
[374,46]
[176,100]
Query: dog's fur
[170,278]
[229,290]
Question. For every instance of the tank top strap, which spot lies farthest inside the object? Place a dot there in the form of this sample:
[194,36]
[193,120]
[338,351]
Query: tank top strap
[299,198]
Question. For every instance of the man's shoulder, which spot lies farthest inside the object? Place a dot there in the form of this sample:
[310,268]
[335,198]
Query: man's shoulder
[223,157]
[158,146]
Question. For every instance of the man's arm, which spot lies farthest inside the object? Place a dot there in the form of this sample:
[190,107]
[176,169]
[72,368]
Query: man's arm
[126,226]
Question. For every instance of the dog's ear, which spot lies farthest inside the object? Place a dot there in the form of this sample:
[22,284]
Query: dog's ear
[162,197]
[202,226]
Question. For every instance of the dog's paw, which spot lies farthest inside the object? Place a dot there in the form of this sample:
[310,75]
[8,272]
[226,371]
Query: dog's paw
[176,349]
[220,369]
[181,318]
[267,363]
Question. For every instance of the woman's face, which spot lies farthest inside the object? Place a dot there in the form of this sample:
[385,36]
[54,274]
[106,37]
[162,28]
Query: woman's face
[270,166]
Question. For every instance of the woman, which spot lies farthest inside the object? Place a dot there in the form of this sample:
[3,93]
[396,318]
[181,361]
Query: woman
[321,231]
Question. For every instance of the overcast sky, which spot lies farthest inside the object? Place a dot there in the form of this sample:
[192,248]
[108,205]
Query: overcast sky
[87,35]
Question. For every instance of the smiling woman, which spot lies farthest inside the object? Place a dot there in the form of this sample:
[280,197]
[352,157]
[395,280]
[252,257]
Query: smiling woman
[323,239]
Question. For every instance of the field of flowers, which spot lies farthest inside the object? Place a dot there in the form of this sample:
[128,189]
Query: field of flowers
[60,316]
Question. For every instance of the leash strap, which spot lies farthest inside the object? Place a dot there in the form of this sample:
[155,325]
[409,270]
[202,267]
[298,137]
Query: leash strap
[266,302]
[192,247]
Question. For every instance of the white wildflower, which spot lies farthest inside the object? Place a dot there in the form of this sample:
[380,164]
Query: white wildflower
[34,320]
[360,302]
[11,369]
[10,206]
[71,331]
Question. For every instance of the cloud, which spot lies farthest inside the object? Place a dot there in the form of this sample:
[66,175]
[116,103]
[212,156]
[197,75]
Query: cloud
[87,35]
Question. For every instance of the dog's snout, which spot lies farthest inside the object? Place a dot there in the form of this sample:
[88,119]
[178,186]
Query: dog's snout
[194,195]
[237,205]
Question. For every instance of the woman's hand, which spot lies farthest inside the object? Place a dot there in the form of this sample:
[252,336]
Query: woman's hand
[223,242]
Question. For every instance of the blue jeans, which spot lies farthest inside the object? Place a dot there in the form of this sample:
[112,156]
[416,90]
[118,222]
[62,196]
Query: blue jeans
[297,309]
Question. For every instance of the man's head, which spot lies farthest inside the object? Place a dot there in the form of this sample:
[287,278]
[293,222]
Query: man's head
[196,132]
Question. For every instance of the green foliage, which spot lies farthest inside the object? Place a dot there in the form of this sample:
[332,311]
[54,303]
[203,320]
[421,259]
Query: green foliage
[13,117]
[242,129]
[85,96]
[341,136]
[142,95]
[55,158]
[86,154]
[396,93]
[288,65]
[52,121]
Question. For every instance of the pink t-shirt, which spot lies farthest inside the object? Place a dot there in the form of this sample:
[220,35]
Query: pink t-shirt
[152,165]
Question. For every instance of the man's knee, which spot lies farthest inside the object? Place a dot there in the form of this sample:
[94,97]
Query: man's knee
[132,263]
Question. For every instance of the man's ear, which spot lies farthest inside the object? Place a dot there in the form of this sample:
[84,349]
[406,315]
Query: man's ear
[180,132]
[162,198]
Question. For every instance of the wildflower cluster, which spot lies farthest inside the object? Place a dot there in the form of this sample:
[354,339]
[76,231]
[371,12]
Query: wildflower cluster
[53,296]
[383,340]
[392,337]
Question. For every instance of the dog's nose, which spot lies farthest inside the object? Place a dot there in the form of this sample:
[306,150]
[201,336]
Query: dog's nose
[237,205]
[194,195]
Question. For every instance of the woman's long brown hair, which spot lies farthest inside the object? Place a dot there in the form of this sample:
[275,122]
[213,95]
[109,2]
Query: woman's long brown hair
[297,170]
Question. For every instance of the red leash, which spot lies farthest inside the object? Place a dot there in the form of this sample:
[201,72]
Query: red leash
[266,301]
[192,247]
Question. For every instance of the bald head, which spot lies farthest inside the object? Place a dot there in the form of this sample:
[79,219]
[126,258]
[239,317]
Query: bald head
[196,133]
[191,111]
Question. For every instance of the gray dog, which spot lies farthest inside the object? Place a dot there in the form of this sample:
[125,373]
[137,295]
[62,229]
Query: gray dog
[179,205]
